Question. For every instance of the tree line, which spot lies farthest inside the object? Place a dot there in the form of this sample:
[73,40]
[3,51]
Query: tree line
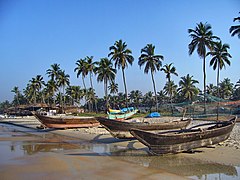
[58,91]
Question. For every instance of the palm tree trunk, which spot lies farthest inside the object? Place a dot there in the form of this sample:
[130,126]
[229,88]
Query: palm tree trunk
[170,95]
[105,90]
[204,82]
[154,88]
[218,72]
[63,100]
[91,80]
[83,82]
[92,89]
[125,87]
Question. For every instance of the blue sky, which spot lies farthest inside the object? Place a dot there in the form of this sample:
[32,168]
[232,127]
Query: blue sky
[37,33]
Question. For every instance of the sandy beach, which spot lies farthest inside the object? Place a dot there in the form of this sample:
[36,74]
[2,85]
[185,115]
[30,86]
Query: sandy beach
[92,153]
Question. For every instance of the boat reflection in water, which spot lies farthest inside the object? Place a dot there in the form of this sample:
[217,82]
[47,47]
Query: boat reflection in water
[177,164]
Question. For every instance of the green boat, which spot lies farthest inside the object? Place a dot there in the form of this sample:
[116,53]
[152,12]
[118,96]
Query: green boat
[121,115]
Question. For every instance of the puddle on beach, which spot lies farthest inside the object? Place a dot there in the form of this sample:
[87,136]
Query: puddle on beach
[17,142]
[177,164]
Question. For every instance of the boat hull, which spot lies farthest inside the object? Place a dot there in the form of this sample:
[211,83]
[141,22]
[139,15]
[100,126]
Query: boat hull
[67,122]
[122,116]
[120,129]
[184,140]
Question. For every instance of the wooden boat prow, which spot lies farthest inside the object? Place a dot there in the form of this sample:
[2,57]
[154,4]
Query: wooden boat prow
[175,141]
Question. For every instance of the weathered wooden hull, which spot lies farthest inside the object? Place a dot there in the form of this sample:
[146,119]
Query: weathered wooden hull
[185,140]
[120,129]
[122,116]
[67,122]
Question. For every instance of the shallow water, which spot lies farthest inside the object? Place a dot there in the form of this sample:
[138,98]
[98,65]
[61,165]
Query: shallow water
[17,143]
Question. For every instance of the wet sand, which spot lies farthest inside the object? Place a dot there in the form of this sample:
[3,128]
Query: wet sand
[92,153]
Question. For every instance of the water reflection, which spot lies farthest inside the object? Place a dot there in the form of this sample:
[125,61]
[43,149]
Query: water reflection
[178,164]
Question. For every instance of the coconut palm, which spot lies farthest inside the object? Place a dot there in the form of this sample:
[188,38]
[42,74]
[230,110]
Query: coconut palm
[237,85]
[152,63]
[187,88]
[35,86]
[90,66]
[220,57]
[90,98]
[168,69]
[41,84]
[202,39]
[161,97]
[81,69]
[53,72]
[148,100]
[122,57]
[113,88]
[51,88]
[17,94]
[235,30]
[105,73]
[170,89]
[226,88]
[62,82]
[211,89]
[75,93]
[135,97]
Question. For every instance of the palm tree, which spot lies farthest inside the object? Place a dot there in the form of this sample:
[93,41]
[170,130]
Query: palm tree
[51,88]
[53,72]
[153,63]
[122,57]
[35,86]
[17,93]
[90,98]
[202,39]
[235,30]
[148,100]
[105,73]
[226,88]
[161,97]
[170,88]
[41,83]
[237,85]
[81,69]
[168,69]
[90,66]
[211,89]
[187,88]
[220,56]
[135,97]
[113,88]
[74,93]
[62,81]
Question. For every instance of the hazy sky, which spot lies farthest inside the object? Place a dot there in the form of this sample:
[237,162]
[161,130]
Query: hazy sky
[37,33]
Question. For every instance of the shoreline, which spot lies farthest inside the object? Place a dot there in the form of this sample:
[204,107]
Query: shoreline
[224,154]
[100,135]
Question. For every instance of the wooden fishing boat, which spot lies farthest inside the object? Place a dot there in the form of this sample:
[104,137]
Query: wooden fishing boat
[120,129]
[185,140]
[64,122]
[114,111]
[123,110]
[122,115]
